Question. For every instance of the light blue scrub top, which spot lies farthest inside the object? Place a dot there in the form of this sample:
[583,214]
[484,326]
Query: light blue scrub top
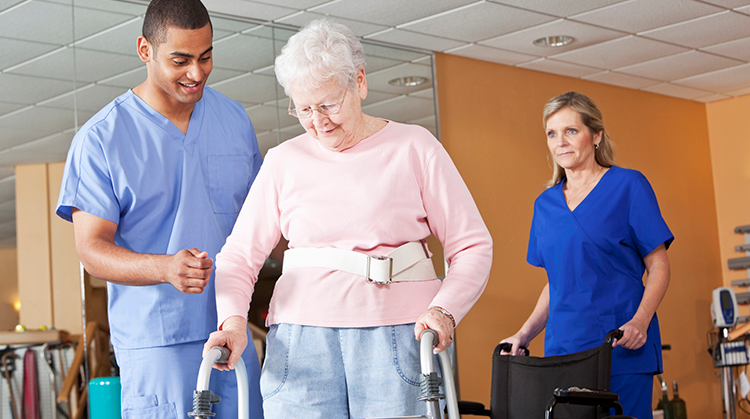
[593,256]
[166,191]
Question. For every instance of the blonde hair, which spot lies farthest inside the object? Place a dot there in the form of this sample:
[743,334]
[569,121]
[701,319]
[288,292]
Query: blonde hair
[592,118]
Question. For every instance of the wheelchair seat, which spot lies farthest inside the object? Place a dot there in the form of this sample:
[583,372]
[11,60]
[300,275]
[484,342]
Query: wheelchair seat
[573,386]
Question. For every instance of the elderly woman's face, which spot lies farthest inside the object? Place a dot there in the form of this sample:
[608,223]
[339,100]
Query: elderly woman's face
[335,131]
[570,141]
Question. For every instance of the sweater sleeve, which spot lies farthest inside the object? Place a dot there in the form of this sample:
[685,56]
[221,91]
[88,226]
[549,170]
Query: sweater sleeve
[454,219]
[254,236]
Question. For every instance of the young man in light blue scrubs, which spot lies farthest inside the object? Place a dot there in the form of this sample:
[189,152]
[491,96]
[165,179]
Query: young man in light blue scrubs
[153,184]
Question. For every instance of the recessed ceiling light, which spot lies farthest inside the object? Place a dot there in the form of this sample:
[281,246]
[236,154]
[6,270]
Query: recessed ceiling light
[553,41]
[408,81]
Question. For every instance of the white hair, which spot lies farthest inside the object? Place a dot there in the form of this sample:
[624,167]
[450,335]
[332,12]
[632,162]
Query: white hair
[322,51]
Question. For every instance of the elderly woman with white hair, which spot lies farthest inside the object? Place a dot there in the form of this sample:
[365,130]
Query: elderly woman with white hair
[355,196]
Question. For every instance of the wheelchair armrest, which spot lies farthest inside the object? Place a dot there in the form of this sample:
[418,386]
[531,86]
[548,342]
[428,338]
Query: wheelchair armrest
[472,408]
[582,396]
[576,395]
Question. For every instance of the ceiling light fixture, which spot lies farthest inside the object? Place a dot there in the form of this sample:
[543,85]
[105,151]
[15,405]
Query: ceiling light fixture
[553,41]
[407,81]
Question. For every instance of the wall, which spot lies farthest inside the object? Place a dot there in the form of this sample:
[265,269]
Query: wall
[9,285]
[490,118]
[48,268]
[730,154]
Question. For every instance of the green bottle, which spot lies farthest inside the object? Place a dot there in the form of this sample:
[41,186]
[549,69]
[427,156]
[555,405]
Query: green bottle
[678,405]
[664,404]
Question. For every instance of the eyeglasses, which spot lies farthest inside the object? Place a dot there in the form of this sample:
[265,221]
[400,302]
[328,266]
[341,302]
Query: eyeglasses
[325,109]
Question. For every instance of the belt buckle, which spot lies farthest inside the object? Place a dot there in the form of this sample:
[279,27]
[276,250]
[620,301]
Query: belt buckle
[379,259]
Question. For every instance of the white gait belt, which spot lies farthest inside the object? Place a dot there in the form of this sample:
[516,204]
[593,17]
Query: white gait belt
[406,263]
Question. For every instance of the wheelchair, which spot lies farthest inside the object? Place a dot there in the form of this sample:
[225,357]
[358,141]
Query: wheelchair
[573,386]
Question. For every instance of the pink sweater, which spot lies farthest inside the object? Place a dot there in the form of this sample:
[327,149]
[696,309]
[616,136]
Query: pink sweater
[397,186]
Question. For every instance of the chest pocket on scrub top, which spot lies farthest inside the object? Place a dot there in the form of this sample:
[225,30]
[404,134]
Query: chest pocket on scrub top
[228,181]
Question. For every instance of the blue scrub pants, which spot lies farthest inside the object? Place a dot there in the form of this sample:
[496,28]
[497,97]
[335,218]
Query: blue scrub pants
[635,391]
[323,373]
[158,383]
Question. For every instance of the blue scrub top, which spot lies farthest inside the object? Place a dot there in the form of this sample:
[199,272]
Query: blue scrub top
[594,262]
[166,191]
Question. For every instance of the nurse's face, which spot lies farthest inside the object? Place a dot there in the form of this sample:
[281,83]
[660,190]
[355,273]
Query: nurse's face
[570,142]
[179,67]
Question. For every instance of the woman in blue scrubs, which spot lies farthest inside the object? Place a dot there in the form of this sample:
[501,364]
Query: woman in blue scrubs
[596,229]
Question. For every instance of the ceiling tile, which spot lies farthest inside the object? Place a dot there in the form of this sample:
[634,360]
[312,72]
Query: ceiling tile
[249,9]
[558,67]
[378,80]
[8,207]
[679,66]
[55,120]
[121,40]
[745,10]
[704,31]
[7,173]
[118,6]
[494,55]
[7,4]
[720,81]
[400,109]
[488,20]
[676,91]
[739,92]
[622,80]
[16,51]
[48,150]
[428,93]
[243,53]
[619,52]
[418,40]
[739,49]
[395,53]
[91,98]
[294,4]
[729,4]
[57,27]
[248,88]
[231,25]
[641,15]
[523,41]
[712,98]
[263,117]
[90,65]
[378,63]
[382,12]
[7,190]
[12,137]
[559,8]
[89,21]
[358,27]
[218,74]
[24,89]
[126,79]
[6,107]
[375,96]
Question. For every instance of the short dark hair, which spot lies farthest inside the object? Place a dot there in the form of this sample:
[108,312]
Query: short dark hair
[182,14]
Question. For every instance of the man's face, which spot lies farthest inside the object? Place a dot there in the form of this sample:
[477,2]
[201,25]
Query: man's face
[180,66]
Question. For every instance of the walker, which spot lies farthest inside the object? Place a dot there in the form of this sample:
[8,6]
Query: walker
[203,398]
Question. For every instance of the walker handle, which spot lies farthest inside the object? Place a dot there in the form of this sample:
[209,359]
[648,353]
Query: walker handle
[224,355]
